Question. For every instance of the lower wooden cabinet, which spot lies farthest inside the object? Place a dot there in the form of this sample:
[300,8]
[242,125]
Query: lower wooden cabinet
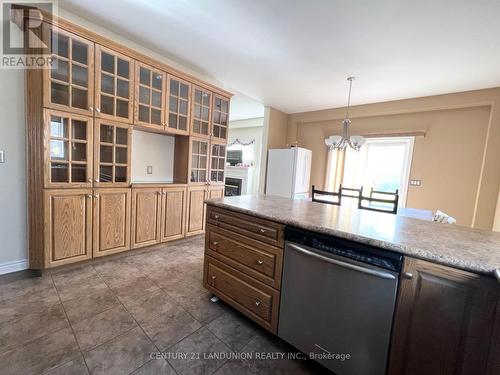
[111,220]
[68,226]
[215,191]
[444,322]
[146,216]
[173,213]
[195,210]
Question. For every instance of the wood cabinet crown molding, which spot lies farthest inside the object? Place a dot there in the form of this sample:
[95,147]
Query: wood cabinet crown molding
[131,53]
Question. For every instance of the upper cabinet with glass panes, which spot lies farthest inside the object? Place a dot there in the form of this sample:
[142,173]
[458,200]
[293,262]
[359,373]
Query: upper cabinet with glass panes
[200,114]
[149,96]
[68,147]
[114,85]
[220,117]
[178,105]
[69,83]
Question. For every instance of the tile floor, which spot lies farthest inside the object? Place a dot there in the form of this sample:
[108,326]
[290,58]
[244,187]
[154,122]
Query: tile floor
[142,312]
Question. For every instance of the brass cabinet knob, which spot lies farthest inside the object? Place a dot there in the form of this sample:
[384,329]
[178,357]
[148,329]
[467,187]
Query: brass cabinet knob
[257,303]
[408,275]
[259,262]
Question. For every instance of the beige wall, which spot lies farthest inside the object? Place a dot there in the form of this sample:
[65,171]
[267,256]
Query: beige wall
[458,160]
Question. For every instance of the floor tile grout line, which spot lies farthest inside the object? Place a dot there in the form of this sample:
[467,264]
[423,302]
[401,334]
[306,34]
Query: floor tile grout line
[136,322]
[71,327]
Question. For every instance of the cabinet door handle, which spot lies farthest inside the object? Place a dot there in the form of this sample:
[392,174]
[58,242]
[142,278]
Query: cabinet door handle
[259,262]
[262,230]
[91,108]
[257,303]
[96,196]
[408,275]
[214,277]
[96,180]
[216,216]
[98,110]
[215,243]
[90,180]
[89,196]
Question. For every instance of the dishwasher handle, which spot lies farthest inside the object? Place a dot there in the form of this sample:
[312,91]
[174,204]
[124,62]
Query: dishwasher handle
[354,267]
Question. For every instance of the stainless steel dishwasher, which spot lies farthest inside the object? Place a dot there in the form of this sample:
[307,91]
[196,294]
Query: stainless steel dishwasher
[337,301]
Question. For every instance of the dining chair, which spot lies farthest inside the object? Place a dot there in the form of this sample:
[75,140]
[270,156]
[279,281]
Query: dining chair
[387,203]
[337,196]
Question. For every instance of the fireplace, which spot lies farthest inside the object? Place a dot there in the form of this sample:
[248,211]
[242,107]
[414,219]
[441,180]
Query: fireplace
[233,186]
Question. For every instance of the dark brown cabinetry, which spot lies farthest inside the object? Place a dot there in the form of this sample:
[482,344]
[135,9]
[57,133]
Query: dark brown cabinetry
[444,321]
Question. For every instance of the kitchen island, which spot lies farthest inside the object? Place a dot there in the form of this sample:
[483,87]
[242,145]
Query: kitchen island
[445,317]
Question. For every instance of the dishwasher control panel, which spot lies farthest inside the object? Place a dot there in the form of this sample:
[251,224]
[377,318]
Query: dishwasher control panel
[350,249]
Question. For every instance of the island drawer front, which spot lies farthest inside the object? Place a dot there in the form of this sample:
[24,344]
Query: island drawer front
[250,226]
[254,299]
[258,260]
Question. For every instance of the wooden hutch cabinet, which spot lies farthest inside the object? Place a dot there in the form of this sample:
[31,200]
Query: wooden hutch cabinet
[80,115]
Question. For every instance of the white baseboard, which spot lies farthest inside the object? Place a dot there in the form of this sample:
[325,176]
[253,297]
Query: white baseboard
[18,265]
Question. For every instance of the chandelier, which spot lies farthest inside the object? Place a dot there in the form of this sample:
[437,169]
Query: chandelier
[340,142]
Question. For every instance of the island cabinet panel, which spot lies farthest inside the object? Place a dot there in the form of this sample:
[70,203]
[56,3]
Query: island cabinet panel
[69,84]
[255,228]
[494,356]
[444,321]
[111,221]
[68,226]
[146,216]
[261,261]
[173,213]
[256,300]
[195,211]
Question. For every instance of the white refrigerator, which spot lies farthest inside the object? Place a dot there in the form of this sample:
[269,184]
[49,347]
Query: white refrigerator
[289,172]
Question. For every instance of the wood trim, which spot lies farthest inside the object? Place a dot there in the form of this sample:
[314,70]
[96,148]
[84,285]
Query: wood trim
[35,168]
[97,87]
[97,228]
[108,43]
[90,69]
[47,113]
[138,66]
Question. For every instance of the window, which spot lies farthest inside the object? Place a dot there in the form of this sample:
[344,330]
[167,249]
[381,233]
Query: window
[382,164]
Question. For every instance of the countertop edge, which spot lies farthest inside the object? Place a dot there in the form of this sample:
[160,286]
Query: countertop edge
[412,252]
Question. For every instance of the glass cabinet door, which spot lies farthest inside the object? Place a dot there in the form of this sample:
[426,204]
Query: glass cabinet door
[199,161]
[220,117]
[150,92]
[68,158]
[115,79]
[200,116]
[178,105]
[217,163]
[69,84]
[112,154]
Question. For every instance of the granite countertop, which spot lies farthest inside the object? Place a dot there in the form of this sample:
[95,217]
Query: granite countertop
[452,245]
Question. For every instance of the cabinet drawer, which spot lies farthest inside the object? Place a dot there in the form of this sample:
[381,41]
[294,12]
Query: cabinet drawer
[250,226]
[254,299]
[258,260]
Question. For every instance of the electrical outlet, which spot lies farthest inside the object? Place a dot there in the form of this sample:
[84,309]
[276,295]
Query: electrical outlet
[149,169]
[2,156]
[416,182]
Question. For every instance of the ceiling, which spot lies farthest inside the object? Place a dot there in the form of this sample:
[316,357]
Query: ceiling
[296,55]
